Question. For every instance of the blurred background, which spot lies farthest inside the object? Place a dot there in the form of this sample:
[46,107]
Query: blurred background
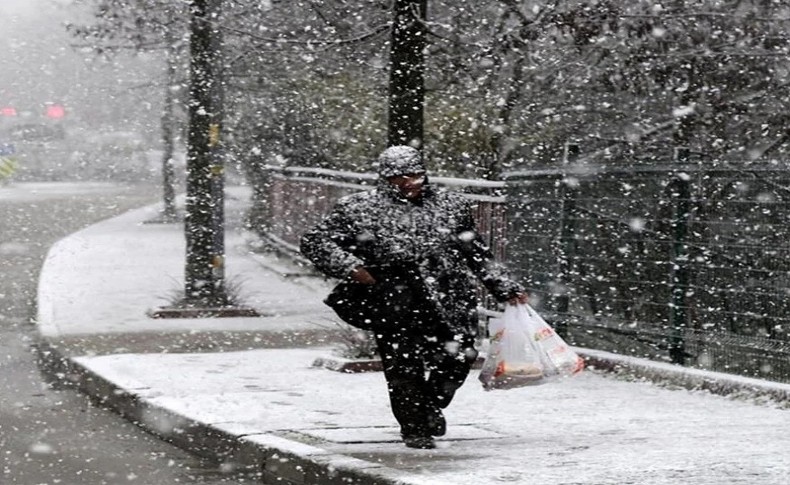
[67,112]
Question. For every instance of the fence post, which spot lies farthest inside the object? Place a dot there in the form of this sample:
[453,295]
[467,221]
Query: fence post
[679,276]
[566,243]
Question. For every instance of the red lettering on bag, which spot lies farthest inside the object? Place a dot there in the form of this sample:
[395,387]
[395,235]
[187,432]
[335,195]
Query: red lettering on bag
[543,333]
[500,369]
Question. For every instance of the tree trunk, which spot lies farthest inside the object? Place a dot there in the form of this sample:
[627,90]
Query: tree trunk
[168,172]
[205,265]
[493,167]
[407,64]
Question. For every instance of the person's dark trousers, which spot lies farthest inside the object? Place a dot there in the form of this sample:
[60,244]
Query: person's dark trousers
[417,400]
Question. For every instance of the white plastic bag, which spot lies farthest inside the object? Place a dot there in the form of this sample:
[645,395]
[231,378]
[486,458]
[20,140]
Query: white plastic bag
[558,357]
[525,351]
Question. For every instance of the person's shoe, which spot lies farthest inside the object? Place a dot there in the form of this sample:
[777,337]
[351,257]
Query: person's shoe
[419,442]
[437,425]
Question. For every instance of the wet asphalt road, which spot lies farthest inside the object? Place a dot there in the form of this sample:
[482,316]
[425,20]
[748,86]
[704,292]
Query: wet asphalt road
[48,434]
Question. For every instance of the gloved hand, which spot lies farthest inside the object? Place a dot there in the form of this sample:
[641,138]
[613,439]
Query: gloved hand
[361,275]
[521,298]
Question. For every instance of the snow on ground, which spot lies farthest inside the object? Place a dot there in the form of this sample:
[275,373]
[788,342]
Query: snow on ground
[589,429]
[27,191]
[105,278]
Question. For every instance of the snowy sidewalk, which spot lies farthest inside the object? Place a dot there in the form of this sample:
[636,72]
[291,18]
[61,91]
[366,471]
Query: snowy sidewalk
[589,429]
[250,394]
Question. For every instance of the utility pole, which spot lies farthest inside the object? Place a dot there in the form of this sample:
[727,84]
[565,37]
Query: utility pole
[407,66]
[204,220]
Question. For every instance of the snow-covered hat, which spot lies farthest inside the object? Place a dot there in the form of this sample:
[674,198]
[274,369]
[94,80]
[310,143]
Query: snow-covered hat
[399,160]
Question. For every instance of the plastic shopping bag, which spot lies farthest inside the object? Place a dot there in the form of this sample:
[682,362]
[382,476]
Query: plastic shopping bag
[558,358]
[525,351]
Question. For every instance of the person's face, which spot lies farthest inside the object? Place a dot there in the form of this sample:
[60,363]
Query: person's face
[409,185]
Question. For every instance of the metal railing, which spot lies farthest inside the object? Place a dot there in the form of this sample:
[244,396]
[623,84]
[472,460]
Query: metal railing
[683,263]
[687,263]
[299,197]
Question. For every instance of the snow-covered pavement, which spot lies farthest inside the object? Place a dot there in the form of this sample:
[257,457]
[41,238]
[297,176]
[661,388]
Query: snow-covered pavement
[256,404]
[590,429]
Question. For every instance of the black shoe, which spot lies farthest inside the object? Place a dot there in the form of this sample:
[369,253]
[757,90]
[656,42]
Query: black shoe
[437,425]
[419,442]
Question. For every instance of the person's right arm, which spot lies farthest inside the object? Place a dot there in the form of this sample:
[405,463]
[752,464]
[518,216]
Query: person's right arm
[329,246]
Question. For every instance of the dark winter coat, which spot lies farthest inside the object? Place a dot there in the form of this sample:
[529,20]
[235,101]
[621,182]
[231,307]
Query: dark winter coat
[434,239]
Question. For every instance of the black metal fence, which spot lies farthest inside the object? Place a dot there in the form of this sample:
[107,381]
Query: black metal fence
[688,263]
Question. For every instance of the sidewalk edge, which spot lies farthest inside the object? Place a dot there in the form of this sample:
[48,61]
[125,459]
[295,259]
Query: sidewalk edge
[660,373]
[273,457]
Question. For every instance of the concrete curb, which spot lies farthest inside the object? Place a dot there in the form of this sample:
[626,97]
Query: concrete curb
[348,366]
[661,373]
[280,460]
[275,459]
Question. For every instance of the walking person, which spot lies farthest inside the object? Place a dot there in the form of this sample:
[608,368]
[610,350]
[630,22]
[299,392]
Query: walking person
[409,253]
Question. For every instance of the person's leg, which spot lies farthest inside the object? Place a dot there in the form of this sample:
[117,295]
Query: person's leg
[410,397]
[449,365]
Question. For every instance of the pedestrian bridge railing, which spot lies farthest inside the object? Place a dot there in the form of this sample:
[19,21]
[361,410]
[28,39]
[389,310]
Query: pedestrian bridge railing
[299,197]
[682,263]
[687,263]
